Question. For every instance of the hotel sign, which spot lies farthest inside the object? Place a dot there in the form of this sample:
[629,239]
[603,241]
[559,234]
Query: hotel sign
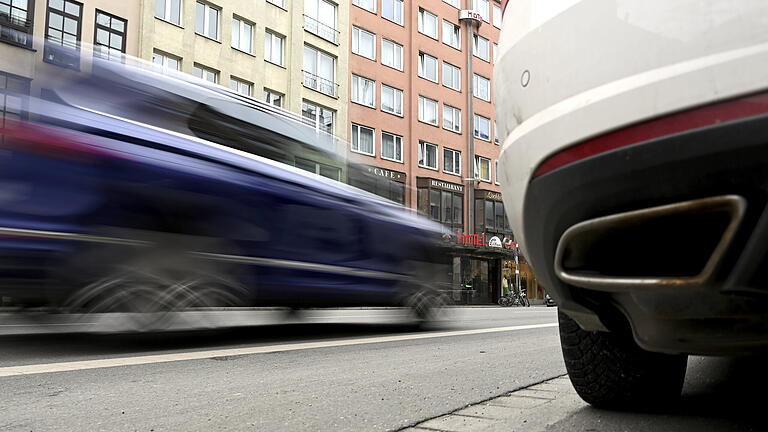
[466,14]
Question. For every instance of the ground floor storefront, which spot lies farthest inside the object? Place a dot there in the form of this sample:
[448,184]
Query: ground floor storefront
[487,269]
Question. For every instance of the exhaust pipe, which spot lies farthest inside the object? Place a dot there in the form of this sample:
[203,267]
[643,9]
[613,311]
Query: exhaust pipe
[678,244]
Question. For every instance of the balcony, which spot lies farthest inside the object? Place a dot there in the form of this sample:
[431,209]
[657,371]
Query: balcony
[324,31]
[320,84]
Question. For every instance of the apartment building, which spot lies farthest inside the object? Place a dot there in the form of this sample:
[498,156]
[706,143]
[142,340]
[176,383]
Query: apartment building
[33,33]
[291,53]
[422,119]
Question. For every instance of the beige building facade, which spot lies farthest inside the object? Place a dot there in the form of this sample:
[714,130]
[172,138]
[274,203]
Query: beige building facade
[55,38]
[292,53]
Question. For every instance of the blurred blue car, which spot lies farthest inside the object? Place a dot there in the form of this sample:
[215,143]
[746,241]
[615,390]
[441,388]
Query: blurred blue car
[144,193]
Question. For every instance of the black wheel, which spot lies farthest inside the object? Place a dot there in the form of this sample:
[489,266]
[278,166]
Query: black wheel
[609,370]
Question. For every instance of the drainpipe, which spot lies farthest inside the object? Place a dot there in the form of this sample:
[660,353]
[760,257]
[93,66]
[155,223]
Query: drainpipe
[470,126]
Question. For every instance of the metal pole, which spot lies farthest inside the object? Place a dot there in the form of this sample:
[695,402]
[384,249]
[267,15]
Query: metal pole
[470,128]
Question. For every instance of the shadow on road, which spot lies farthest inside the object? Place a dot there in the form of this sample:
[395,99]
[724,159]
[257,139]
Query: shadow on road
[720,394]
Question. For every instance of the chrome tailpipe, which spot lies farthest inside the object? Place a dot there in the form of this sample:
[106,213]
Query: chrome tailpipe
[679,244]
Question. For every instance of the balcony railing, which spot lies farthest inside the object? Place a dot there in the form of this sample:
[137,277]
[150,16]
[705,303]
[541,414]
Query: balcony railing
[320,84]
[324,31]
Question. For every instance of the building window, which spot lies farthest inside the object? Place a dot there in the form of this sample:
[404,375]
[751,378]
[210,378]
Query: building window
[451,34]
[451,118]
[495,53]
[391,100]
[481,87]
[62,37]
[320,71]
[391,147]
[427,23]
[273,48]
[427,110]
[427,155]
[278,3]
[451,161]
[496,167]
[207,21]
[331,172]
[363,140]
[392,10]
[427,67]
[482,127]
[482,168]
[240,86]
[166,61]
[496,15]
[205,73]
[451,76]
[319,117]
[442,206]
[168,10]
[481,7]
[495,134]
[490,216]
[16,17]
[12,92]
[365,178]
[363,43]
[454,3]
[274,98]
[242,35]
[363,91]
[480,47]
[109,40]
[369,5]
[320,19]
[391,54]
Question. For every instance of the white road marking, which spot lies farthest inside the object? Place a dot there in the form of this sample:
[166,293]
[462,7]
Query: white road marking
[200,355]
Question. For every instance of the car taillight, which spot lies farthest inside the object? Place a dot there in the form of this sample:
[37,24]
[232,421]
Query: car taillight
[697,118]
[30,137]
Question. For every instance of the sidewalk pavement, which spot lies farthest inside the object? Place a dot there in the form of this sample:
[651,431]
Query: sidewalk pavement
[529,409]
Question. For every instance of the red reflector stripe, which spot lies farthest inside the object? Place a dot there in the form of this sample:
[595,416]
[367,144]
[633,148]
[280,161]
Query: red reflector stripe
[504,6]
[683,121]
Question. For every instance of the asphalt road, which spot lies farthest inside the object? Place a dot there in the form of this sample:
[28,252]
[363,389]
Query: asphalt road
[345,370]
[337,370]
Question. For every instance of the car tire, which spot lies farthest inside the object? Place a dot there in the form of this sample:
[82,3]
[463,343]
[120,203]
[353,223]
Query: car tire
[609,370]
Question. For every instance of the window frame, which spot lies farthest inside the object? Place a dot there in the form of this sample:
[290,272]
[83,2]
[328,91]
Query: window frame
[362,80]
[475,127]
[242,23]
[396,91]
[318,111]
[165,56]
[239,82]
[422,109]
[486,14]
[455,30]
[422,151]
[206,20]
[203,69]
[455,154]
[494,14]
[268,96]
[477,171]
[167,12]
[394,9]
[110,31]
[49,43]
[454,110]
[395,139]
[422,70]
[476,80]
[421,23]
[458,77]
[318,54]
[475,50]
[270,37]
[352,140]
[356,39]
[19,27]
[357,3]
[395,47]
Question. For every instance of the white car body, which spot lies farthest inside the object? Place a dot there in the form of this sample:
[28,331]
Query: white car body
[594,66]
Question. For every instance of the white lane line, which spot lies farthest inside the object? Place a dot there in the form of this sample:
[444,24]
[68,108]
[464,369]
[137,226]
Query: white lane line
[200,355]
